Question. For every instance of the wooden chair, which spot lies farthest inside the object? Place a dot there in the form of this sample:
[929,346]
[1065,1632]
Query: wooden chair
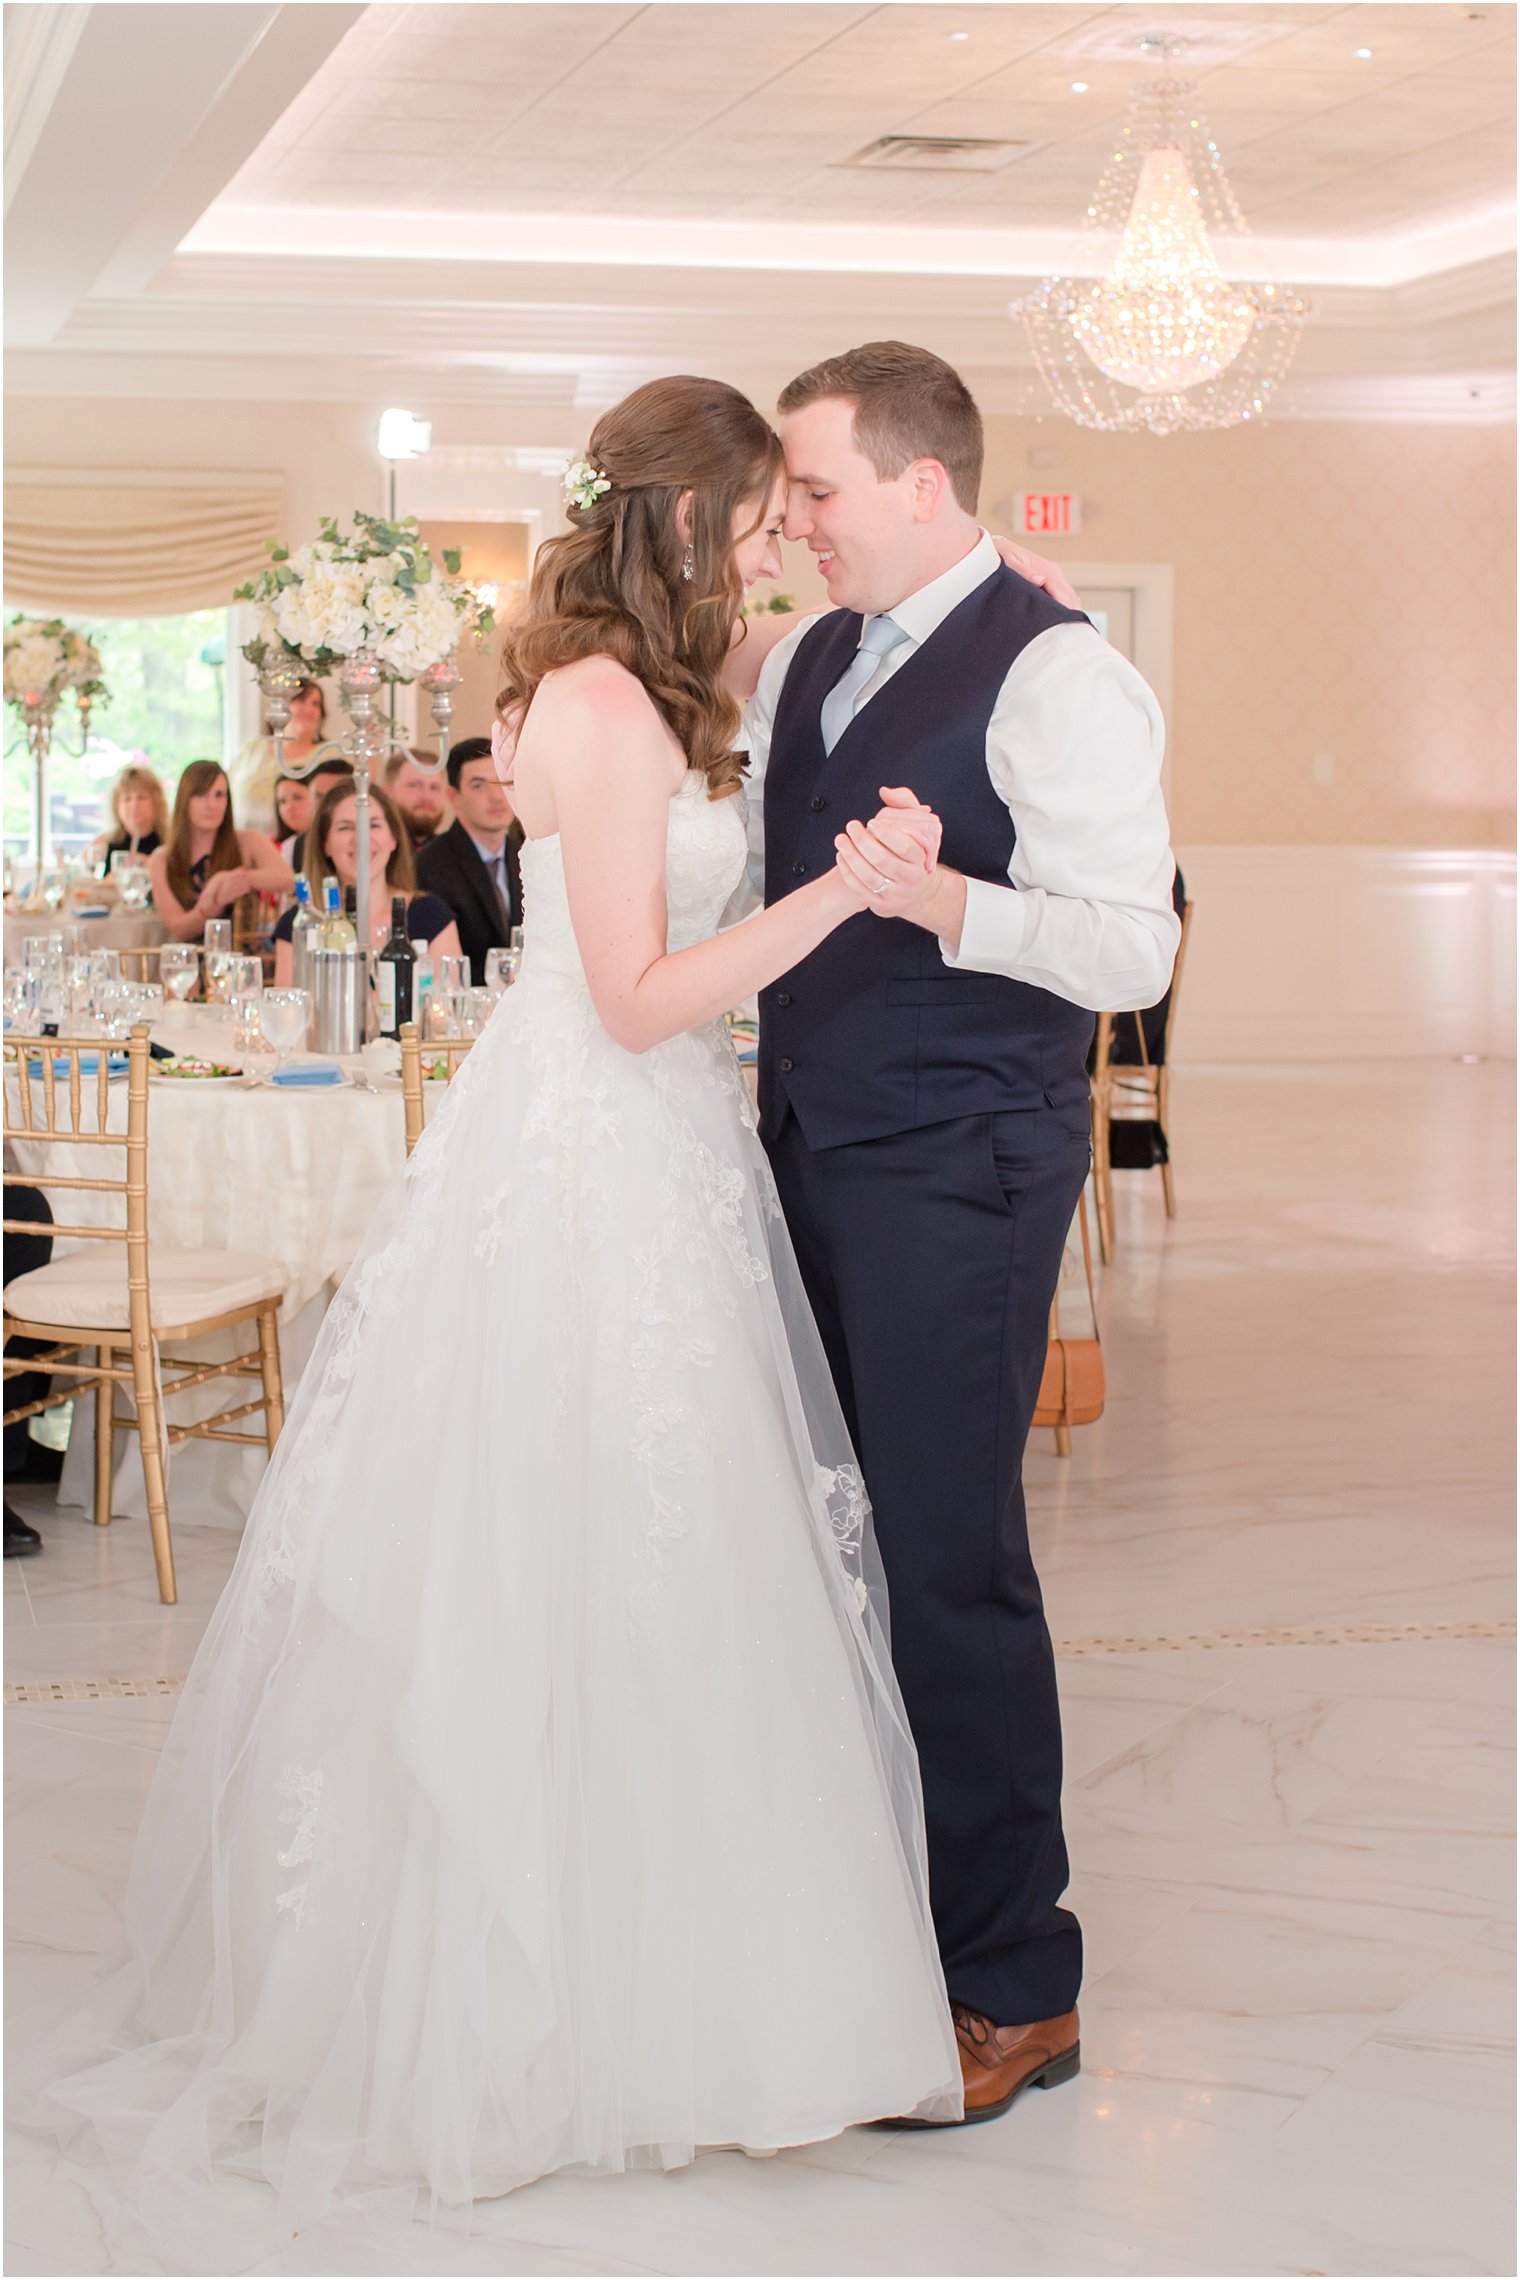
[414,1055]
[1134,1092]
[141,1299]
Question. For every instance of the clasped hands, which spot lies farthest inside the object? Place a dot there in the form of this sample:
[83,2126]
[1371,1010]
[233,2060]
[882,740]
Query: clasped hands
[892,863]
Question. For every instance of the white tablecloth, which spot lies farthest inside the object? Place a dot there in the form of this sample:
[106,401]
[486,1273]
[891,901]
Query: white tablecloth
[291,1175]
[122,930]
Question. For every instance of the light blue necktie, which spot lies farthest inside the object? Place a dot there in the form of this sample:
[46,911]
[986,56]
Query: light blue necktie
[878,637]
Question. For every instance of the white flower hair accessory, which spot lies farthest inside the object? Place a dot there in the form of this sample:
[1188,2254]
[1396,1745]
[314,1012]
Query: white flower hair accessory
[585,484]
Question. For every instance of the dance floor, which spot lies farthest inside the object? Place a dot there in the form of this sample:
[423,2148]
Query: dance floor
[1279,1576]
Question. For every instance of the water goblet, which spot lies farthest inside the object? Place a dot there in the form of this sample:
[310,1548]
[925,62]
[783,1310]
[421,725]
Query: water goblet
[132,879]
[475,1009]
[111,1007]
[179,969]
[284,1016]
[22,1000]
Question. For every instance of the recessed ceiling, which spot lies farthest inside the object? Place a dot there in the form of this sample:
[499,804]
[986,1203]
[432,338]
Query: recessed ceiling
[515,203]
[701,111]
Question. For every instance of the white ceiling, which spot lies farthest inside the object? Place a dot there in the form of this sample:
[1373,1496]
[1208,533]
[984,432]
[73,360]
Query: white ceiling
[520,203]
[706,111]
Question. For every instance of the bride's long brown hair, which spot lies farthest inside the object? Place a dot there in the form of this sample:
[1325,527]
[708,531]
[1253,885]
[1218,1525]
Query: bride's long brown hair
[613,585]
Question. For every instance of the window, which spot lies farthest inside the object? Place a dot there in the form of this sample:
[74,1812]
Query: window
[167,681]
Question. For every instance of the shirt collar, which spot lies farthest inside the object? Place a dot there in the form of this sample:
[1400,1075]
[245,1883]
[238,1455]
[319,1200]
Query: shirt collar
[925,612]
[490,855]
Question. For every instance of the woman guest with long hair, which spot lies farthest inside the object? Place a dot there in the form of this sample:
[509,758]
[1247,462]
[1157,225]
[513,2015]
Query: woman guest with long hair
[139,817]
[330,851]
[256,772]
[209,863]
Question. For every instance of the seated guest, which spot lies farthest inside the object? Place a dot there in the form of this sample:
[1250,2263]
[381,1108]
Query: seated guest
[473,864]
[331,851]
[255,771]
[294,804]
[139,818]
[333,770]
[208,863]
[418,793]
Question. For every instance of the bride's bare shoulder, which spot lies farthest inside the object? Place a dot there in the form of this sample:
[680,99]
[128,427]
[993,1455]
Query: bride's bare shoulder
[598,689]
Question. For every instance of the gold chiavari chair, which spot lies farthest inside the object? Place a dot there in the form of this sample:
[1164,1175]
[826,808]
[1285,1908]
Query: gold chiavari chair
[1133,1091]
[141,963]
[142,1297]
[416,1055]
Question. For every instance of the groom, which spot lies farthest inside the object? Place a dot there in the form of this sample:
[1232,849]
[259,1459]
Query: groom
[923,1097]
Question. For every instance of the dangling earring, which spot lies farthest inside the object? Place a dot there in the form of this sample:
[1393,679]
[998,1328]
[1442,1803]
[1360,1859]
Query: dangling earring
[688,565]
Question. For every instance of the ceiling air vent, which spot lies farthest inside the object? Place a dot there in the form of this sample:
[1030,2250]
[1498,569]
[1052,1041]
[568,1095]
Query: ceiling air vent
[937,154]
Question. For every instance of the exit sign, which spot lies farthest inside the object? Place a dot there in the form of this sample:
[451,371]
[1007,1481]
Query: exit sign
[1047,514]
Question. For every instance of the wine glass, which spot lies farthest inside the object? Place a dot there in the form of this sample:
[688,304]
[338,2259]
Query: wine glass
[500,971]
[179,969]
[218,947]
[283,1017]
[54,887]
[247,987]
[450,979]
[132,879]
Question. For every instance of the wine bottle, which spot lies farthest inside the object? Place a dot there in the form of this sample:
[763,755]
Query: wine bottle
[305,934]
[337,934]
[395,969]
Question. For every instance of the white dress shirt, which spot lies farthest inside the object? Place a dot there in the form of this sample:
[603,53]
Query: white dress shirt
[1074,751]
[495,861]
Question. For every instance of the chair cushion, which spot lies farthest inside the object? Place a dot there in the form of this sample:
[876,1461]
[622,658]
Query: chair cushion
[87,1290]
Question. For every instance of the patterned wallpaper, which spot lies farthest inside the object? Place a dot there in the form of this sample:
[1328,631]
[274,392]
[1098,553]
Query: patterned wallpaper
[1341,589]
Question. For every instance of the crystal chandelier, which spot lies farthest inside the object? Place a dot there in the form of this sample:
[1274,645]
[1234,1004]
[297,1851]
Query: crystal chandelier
[1155,336]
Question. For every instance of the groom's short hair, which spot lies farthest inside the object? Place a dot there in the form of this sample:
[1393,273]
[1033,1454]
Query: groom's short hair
[909,404]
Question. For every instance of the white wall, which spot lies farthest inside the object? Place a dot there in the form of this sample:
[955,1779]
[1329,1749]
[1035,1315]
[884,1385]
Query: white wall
[1330,953]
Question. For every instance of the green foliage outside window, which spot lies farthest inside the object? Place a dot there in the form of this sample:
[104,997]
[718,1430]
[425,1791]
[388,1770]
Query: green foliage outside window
[165,677]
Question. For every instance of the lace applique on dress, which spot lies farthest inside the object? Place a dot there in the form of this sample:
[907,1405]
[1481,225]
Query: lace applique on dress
[303,1786]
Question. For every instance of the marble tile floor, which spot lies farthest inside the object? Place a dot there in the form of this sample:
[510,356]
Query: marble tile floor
[1279,1575]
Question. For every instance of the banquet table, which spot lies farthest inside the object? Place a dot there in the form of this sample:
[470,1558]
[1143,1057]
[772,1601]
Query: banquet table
[290,1174]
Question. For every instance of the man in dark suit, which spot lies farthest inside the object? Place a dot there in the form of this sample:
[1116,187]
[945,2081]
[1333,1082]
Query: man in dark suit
[473,865]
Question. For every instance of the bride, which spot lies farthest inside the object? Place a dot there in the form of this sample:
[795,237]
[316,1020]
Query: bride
[541,1794]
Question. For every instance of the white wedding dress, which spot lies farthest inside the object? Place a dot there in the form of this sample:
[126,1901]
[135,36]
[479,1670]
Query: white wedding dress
[541,1794]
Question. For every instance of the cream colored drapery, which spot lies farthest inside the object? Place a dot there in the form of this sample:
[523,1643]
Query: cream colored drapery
[128,549]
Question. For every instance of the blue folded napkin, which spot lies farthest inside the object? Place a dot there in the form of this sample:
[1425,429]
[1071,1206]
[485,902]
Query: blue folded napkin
[116,1065]
[309,1073]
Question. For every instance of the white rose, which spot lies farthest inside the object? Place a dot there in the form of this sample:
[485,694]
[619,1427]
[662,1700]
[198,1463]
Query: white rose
[34,667]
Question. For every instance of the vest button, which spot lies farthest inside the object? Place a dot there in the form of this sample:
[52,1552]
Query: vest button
[787,1067]
[799,870]
[817,806]
[783,997]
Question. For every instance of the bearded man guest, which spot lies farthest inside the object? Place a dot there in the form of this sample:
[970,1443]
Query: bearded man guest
[924,1097]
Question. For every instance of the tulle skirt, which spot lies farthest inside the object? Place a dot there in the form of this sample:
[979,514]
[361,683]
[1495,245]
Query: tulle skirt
[541,1794]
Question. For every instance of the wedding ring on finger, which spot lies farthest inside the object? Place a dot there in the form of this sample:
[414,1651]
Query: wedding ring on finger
[881,885]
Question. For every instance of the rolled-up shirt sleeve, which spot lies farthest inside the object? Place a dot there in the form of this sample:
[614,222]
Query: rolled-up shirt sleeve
[1074,750]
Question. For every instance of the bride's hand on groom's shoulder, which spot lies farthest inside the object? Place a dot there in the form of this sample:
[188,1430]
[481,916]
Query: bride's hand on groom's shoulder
[1039,572]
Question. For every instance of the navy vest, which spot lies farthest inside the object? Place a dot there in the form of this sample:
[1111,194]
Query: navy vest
[873,1033]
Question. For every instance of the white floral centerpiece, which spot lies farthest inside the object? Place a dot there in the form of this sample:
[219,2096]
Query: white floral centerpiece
[44,659]
[374,590]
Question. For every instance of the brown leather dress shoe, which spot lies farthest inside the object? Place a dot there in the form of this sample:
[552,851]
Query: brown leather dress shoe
[998,2062]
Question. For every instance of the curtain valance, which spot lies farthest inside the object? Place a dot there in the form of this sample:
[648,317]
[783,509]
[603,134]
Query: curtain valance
[135,549]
